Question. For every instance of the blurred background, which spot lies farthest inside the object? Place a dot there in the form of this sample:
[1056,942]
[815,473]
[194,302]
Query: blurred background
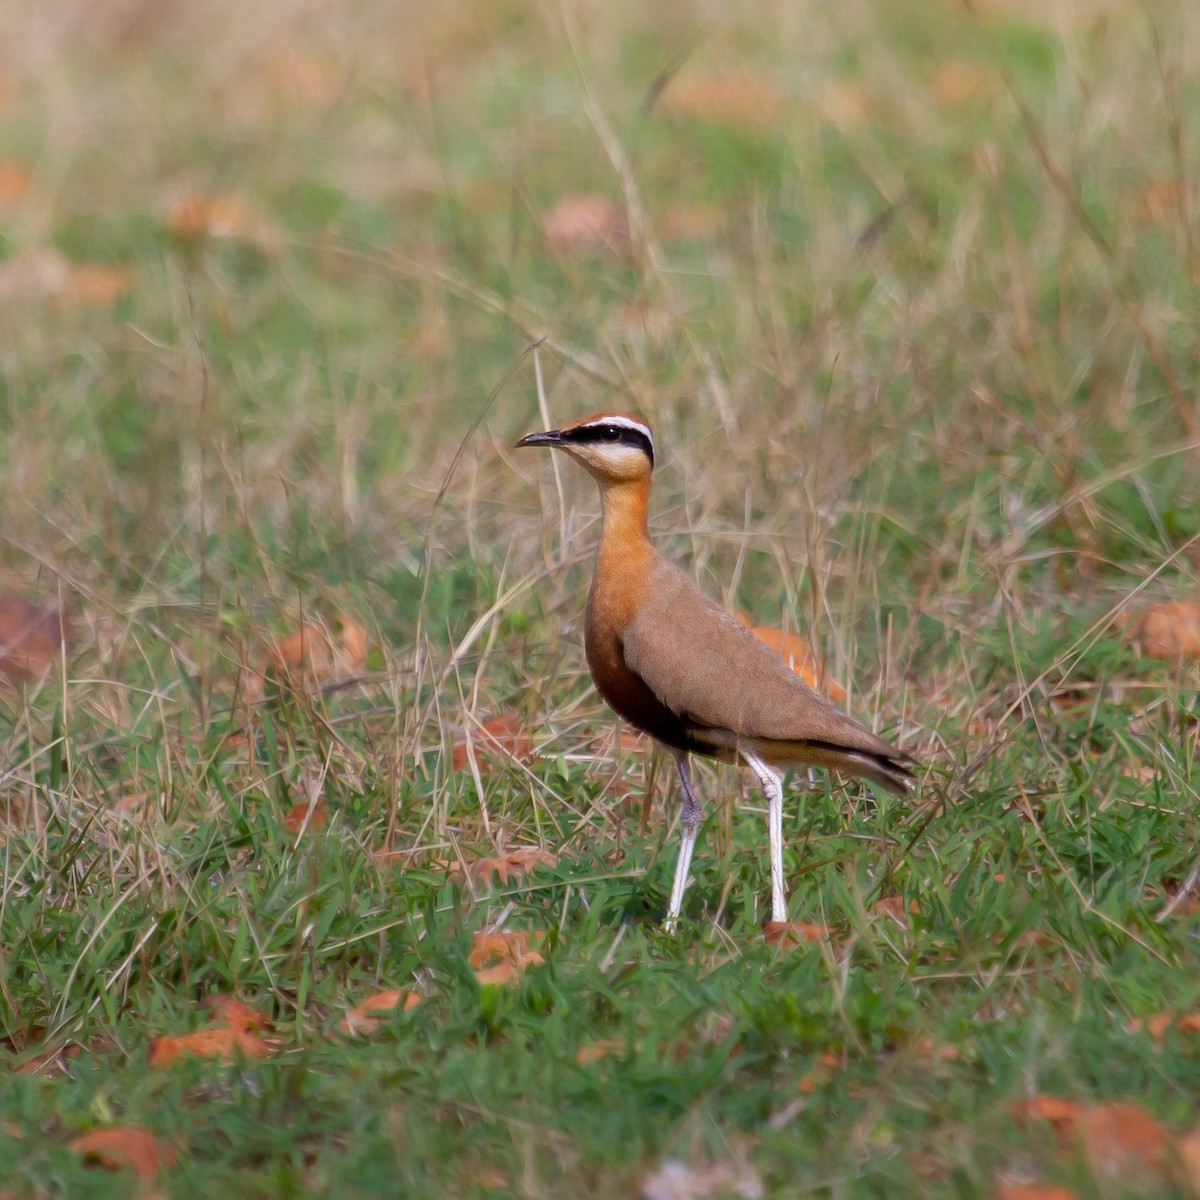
[908,291]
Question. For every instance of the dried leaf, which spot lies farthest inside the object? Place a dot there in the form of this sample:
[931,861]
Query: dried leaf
[513,945]
[821,1072]
[1169,630]
[586,223]
[31,639]
[1160,202]
[893,906]
[33,275]
[1032,1191]
[1187,1151]
[957,82]
[14,183]
[136,806]
[600,1049]
[233,1013]
[365,1017]
[47,275]
[678,1181]
[126,1147]
[690,222]
[215,1042]
[930,1049]
[502,736]
[311,657]
[500,957]
[53,1064]
[625,741]
[199,216]
[306,817]
[500,974]
[97,285]
[353,645]
[1060,1112]
[798,654]
[301,79]
[513,865]
[845,104]
[1122,1141]
[794,933]
[742,100]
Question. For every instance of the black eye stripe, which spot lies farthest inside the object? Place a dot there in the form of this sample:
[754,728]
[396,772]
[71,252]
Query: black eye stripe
[621,435]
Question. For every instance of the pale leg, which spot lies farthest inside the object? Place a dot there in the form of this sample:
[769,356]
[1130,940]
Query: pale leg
[691,825]
[772,785]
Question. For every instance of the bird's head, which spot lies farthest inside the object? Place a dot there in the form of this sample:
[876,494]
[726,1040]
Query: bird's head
[613,447]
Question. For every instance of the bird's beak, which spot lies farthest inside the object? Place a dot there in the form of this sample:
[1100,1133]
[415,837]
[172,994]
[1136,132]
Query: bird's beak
[552,437]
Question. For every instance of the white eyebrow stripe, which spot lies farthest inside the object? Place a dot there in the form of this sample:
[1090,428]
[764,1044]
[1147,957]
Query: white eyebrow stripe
[624,423]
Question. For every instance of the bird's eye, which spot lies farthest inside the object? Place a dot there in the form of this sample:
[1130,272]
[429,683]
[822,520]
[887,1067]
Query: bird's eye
[611,433]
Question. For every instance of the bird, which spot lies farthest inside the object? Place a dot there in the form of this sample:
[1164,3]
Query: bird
[675,665]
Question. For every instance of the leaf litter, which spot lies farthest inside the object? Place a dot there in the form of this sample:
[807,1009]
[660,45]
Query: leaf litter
[234,1032]
[126,1147]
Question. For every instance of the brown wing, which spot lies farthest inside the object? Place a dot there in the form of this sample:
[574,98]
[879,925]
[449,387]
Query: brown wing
[731,690]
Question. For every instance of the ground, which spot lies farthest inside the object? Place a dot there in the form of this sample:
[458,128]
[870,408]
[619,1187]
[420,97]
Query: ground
[908,291]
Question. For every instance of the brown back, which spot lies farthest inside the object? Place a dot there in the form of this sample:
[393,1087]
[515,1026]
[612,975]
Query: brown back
[711,670]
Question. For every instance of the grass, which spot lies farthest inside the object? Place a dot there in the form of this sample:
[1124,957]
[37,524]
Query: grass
[915,326]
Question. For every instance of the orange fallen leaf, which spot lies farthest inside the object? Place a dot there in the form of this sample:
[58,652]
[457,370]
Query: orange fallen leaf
[215,1042]
[794,933]
[42,274]
[221,215]
[690,222]
[353,652]
[798,654]
[601,1048]
[956,83]
[31,639]
[625,741]
[1060,1112]
[233,1013]
[500,974]
[50,1063]
[1187,1150]
[310,657]
[369,1014]
[845,104]
[500,957]
[1122,1141]
[1032,1191]
[14,182]
[97,285]
[1160,202]
[819,1074]
[894,907]
[1170,630]
[742,99]
[33,275]
[499,737]
[586,223]
[307,817]
[514,945]
[1118,1140]
[126,1146]
[513,865]
[930,1049]
[295,78]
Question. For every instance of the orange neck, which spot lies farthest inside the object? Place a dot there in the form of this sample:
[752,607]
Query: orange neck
[623,510]
[621,578]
